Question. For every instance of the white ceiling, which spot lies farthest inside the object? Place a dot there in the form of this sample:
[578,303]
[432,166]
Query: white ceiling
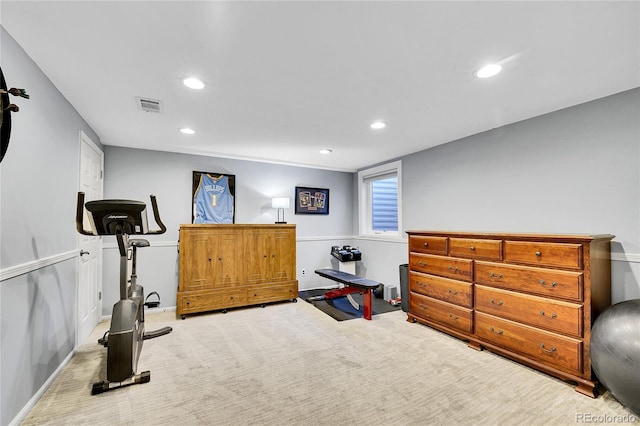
[285,79]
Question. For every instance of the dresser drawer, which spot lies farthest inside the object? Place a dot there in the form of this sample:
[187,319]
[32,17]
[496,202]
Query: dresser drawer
[554,315]
[428,244]
[549,348]
[460,269]
[476,248]
[545,282]
[448,290]
[441,312]
[561,255]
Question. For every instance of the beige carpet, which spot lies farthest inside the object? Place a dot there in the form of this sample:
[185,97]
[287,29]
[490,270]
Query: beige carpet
[290,364]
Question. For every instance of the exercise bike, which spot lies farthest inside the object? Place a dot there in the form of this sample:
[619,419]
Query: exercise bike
[126,332]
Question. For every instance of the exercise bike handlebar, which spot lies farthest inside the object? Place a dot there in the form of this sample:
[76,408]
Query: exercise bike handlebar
[80,217]
[156,217]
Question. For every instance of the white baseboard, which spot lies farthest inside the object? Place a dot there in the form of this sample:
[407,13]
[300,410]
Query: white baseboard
[626,257]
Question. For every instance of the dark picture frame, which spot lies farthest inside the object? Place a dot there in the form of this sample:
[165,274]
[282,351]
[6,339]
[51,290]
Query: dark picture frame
[230,187]
[311,200]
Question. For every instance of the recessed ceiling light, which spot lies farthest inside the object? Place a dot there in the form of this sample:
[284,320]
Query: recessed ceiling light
[193,83]
[326,151]
[488,71]
[378,125]
[188,131]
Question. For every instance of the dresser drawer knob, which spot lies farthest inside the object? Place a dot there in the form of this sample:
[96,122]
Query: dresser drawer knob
[553,348]
[426,244]
[453,291]
[421,284]
[423,306]
[538,254]
[493,330]
[492,275]
[472,248]
[455,318]
[451,268]
[421,263]
[500,303]
[547,316]
[543,283]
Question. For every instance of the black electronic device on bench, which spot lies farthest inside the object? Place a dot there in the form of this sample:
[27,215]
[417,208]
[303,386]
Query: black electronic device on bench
[126,333]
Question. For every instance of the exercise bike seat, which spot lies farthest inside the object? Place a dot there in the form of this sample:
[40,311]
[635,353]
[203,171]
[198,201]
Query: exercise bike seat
[138,242]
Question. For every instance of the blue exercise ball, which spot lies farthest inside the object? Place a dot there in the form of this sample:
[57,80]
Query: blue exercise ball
[615,352]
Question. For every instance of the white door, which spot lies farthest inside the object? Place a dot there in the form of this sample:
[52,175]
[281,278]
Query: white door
[90,264]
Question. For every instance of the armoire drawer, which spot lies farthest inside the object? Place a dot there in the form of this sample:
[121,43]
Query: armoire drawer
[441,312]
[545,282]
[562,255]
[546,347]
[271,293]
[446,289]
[554,315]
[451,267]
[209,300]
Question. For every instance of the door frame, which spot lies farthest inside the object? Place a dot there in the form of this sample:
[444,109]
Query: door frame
[85,139]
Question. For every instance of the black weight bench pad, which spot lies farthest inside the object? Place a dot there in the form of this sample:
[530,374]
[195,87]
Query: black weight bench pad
[353,284]
[347,279]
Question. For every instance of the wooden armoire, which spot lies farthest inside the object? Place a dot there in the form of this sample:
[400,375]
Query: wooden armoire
[227,266]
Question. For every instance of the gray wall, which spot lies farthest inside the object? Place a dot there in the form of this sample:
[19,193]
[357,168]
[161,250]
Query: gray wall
[134,174]
[573,171]
[38,182]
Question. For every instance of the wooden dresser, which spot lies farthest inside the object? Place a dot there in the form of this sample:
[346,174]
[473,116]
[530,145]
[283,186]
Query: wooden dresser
[226,266]
[529,297]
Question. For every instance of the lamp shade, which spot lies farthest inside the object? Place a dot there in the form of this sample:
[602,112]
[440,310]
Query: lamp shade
[280,203]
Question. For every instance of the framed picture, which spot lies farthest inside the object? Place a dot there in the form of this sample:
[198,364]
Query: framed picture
[311,200]
[213,197]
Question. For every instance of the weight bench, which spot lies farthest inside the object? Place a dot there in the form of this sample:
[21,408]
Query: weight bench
[352,284]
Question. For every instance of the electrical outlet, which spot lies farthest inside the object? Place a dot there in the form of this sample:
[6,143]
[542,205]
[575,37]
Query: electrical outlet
[304,271]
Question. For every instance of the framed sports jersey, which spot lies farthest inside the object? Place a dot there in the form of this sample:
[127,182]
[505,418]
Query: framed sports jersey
[311,200]
[213,197]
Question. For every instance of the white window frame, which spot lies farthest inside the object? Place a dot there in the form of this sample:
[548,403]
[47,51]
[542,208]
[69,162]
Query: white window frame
[364,200]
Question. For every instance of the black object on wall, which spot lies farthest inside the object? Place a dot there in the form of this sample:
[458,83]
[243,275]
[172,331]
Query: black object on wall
[7,108]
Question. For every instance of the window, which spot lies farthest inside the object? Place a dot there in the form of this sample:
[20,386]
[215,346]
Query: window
[380,200]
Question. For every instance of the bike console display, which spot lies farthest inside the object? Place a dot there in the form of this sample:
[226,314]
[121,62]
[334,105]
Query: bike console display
[111,217]
[108,217]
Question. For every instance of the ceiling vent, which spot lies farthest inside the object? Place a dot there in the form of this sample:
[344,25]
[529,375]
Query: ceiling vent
[149,105]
